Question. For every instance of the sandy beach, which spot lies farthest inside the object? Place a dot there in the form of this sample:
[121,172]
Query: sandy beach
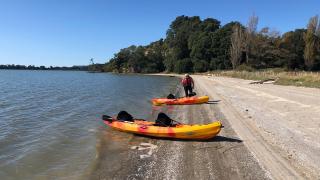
[270,132]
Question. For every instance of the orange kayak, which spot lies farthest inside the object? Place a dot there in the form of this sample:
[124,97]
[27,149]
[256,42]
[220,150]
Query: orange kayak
[180,131]
[180,101]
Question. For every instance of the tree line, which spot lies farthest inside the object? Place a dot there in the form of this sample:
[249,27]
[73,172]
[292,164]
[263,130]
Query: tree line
[195,45]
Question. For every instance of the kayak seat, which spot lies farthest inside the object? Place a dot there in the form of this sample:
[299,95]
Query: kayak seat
[171,96]
[164,121]
[124,116]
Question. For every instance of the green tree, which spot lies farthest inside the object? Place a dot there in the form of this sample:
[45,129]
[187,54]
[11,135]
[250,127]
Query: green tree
[200,65]
[220,46]
[155,53]
[293,42]
[236,46]
[266,52]
[200,41]
[178,34]
[195,45]
[199,44]
[311,42]
[183,66]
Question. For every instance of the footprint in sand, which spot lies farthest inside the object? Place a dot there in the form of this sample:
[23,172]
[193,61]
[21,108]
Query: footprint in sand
[145,146]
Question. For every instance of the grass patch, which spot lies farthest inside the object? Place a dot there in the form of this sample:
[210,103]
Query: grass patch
[301,78]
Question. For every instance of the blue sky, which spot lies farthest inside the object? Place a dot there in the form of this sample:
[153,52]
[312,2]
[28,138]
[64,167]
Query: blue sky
[70,32]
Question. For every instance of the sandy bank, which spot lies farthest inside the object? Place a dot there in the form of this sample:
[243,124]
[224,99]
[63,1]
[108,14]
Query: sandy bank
[280,125]
[224,157]
[270,132]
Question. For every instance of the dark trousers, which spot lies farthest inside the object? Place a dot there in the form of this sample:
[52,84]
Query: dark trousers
[188,90]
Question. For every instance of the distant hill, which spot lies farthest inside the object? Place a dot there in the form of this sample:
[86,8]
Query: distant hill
[31,67]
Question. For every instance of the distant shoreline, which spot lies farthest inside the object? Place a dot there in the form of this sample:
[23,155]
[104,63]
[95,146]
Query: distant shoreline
[32,67]
[40,70]
[284,78]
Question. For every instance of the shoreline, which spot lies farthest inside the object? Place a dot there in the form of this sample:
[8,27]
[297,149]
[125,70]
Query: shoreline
[224,157]
[283,78]
[254,144]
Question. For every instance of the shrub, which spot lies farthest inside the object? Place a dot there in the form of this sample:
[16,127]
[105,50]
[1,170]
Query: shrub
[244,67]
[200,66]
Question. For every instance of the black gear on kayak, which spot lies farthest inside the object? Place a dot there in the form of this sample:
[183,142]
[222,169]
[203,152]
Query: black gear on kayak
[171,96]
[107,118]
[124,116]
[163,120]
[192,94]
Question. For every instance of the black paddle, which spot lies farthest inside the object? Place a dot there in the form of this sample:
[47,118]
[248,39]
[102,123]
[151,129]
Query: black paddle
[107,118]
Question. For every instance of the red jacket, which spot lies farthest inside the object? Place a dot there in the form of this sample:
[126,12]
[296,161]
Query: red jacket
[187,81]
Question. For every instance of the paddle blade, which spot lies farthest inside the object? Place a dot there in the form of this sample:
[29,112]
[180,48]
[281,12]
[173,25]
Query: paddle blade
[106,118]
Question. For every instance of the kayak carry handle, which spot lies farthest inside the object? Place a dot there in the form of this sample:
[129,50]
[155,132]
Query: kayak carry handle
[107,118]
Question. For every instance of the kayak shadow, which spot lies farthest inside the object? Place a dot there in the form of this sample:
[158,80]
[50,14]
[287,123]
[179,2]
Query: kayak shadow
[213,102]
[214,139]
[225,139]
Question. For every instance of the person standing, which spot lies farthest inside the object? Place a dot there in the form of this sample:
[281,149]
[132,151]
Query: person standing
[188,85]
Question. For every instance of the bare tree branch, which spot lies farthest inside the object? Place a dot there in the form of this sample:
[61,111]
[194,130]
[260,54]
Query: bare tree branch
[251,30]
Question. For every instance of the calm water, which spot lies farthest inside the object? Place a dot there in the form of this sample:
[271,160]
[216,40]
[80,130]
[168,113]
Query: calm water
[50,120]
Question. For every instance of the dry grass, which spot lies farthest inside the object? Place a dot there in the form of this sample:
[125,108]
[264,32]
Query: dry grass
[301,78]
